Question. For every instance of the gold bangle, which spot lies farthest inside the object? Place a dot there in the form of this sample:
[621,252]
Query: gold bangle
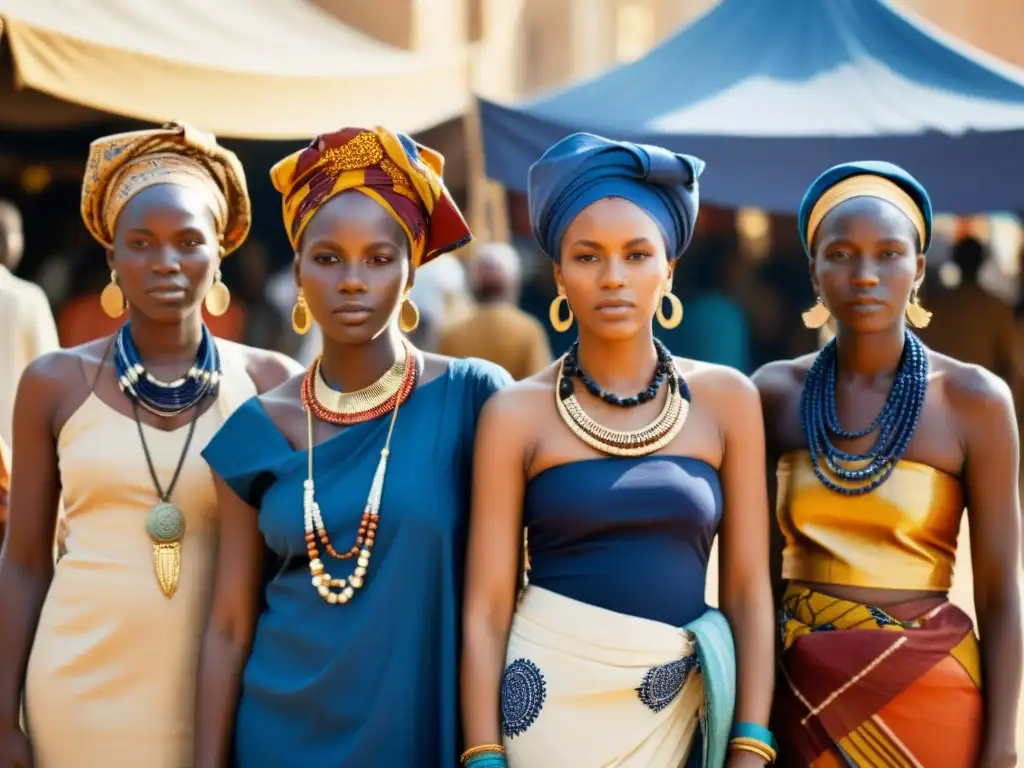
[483,749]
[764,752]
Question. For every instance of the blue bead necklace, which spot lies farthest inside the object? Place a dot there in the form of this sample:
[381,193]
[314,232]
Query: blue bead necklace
[166,398]
[895,424]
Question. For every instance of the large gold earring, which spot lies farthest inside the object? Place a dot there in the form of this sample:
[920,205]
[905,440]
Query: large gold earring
[917,316]
[673,320]
[302,321]
[816,316]
[554,314]
[218,298]
[112,299]
[409,316]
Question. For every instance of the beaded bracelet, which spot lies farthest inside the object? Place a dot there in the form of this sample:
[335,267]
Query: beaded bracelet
[484,756]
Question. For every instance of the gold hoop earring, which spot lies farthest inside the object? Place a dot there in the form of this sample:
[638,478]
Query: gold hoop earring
[673,320]
[218,298]
[554,314]
[112,299]
[917,316]
[409,316]
[302,320]
[816,316]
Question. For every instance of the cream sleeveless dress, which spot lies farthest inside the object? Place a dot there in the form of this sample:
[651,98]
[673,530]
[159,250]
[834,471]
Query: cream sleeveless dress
[111,676]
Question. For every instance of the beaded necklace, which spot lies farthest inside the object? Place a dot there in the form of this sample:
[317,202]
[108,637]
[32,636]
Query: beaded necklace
[334,590]
[571,368]
[624,443]
[895,424]
[164,398]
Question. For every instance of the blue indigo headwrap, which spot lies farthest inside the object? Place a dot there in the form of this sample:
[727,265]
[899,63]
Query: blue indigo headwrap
[866,178]
[582,169]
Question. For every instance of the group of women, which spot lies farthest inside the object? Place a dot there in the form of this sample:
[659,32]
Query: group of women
[269,566]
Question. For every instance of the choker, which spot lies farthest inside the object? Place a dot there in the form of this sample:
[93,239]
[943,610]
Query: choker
[381,397]
[166,398]
[640,442]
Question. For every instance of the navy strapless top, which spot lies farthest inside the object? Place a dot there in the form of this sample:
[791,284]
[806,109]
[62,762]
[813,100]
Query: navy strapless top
[628,535]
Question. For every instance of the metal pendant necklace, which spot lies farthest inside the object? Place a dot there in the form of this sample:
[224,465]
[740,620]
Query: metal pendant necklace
[165,522]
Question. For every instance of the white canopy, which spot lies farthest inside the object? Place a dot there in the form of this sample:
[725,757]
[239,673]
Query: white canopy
[254,69]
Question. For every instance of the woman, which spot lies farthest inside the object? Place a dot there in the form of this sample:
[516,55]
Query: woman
[622,495]
[359,666]
[115,427]
[880,441]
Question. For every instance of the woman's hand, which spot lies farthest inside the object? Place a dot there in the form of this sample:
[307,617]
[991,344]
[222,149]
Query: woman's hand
[743,759]
[15,750]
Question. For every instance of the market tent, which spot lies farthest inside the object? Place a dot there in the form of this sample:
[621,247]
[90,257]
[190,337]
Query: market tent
[254,69]
[772,92]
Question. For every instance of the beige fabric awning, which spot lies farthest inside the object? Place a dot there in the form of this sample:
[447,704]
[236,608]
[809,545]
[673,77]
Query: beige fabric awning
[253,69]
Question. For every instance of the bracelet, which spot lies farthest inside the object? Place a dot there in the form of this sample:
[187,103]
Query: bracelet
[755,732]
[484,756]
[758,748]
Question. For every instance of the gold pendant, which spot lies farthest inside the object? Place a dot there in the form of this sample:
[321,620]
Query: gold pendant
[165,525]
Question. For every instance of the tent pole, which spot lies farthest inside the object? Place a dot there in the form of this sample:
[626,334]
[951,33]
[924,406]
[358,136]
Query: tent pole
[488,217]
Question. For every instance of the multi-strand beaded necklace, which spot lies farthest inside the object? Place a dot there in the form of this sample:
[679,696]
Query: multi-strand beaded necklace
[383,396]
[895,424]
[640,442]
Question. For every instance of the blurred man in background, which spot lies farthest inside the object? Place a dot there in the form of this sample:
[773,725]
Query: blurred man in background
[497,329]
[968,322]
[27,328]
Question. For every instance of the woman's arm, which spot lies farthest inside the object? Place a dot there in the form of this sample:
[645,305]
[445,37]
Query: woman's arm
[745,591]
[985,406]
[229,629]
[495,543]
[26,563]
[772,382]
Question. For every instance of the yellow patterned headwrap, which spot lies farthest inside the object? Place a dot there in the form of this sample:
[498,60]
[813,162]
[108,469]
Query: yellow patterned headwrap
[122,165]
[865,185]
[401,175]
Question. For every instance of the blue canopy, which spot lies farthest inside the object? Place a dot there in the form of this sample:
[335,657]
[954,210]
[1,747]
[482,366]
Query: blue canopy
[772,92]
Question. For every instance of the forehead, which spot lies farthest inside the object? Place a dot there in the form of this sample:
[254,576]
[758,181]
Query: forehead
[612,219]
[866,218]
[353,215]
[166,204]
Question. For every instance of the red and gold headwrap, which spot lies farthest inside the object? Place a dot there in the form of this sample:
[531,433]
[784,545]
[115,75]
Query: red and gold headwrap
[122,165]
[401,175]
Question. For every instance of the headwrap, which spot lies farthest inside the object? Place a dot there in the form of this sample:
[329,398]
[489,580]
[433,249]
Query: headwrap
[401,175]
[122,165]
[867,178]
[582,169]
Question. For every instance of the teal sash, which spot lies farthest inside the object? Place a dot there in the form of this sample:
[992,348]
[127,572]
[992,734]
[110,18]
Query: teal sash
[717,656]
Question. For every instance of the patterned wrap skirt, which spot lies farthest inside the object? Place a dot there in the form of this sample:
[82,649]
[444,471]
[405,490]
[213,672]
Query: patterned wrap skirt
[861,686]
[586,687]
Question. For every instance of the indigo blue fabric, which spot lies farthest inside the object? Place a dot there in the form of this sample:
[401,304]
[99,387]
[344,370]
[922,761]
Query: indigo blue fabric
[582,169]
[844,171]
[631,535]
[374,681]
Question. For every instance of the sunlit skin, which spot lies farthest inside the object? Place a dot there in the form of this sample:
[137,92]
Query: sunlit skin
[353,266]
[166,252]
[612,268]
[866,262]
